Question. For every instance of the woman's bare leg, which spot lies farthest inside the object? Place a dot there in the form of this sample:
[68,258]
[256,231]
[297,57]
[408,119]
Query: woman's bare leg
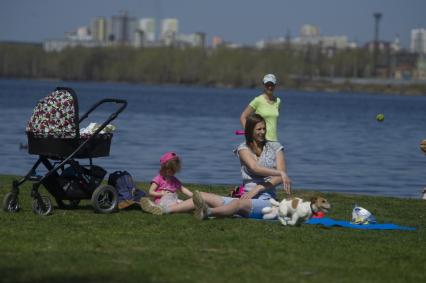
[237,206]
[212,200]
[202,209]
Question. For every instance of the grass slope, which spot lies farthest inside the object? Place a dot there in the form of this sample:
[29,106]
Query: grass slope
[132,246]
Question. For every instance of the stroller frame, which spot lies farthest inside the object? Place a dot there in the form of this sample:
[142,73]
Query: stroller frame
[85,182]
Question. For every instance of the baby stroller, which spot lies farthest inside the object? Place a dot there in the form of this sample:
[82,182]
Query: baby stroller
[53,134]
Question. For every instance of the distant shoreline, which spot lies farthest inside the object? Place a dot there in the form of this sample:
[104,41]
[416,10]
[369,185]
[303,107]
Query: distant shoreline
[376,86]
[331,85]
[346,71]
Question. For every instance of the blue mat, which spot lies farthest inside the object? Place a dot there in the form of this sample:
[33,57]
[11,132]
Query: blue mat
[328,222]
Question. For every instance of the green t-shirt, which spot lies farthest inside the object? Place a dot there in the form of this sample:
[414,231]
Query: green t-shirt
[269,112]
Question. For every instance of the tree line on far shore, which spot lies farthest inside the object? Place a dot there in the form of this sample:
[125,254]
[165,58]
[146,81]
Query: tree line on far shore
[242,67]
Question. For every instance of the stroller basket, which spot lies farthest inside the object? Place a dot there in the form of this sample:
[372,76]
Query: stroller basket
[60,148]
[53,130]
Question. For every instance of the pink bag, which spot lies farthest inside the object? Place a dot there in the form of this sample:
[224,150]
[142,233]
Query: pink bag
[237,192]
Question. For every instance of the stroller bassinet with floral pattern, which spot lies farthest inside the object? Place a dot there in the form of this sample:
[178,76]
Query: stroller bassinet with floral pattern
[53,133]
[53,129]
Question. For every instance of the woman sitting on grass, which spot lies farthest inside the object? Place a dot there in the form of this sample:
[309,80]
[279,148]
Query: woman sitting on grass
[262,169]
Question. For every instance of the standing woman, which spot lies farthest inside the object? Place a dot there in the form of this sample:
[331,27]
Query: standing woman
[266,105]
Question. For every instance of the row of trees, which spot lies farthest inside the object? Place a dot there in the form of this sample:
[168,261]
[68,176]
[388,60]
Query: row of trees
[222,66]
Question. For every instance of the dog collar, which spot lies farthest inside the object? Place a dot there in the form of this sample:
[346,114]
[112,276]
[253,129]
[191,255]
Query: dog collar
[312,209]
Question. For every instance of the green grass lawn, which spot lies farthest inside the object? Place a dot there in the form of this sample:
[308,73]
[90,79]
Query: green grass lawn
[132,246]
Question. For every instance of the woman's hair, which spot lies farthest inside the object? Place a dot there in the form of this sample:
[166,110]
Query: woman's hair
[173,164]
[251,122]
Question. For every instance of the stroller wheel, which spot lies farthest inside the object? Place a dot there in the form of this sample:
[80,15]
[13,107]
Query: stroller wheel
[11,203]
[44,207]
[105,199]
[67,204]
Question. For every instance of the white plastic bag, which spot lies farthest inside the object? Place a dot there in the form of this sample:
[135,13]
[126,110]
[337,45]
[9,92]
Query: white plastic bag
[362,216]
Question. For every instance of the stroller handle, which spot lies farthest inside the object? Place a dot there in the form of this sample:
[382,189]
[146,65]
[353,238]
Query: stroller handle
[111,117]
[106,100]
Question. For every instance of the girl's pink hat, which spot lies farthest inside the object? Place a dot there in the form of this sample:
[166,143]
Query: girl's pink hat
[168,156]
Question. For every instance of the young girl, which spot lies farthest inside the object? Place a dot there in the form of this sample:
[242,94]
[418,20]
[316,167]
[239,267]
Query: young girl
[165,186]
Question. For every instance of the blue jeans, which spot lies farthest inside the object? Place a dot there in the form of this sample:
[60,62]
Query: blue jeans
[256,206]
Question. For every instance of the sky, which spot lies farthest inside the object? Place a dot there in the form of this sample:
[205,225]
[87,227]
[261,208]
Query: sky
[239,21]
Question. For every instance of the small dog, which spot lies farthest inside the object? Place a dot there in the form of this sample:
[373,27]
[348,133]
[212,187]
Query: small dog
[295,211]
[424,194]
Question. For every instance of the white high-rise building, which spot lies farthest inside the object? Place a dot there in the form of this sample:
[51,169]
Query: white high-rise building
[310,35]
[98,29]
[418,40]
[309,31]
[147,26]
[169,29]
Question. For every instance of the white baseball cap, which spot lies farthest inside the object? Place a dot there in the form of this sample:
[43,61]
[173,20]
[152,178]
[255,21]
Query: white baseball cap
[270,78]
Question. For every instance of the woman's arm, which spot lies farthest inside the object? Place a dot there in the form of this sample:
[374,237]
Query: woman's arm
[185,191]
[272,182]
[278,175]
[281,166]
[249,110]
[247,158]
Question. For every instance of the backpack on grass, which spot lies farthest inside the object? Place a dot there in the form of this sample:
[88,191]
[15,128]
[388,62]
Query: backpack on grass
[128,193]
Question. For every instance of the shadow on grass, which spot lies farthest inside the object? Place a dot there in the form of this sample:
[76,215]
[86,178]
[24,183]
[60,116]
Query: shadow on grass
[20,275]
